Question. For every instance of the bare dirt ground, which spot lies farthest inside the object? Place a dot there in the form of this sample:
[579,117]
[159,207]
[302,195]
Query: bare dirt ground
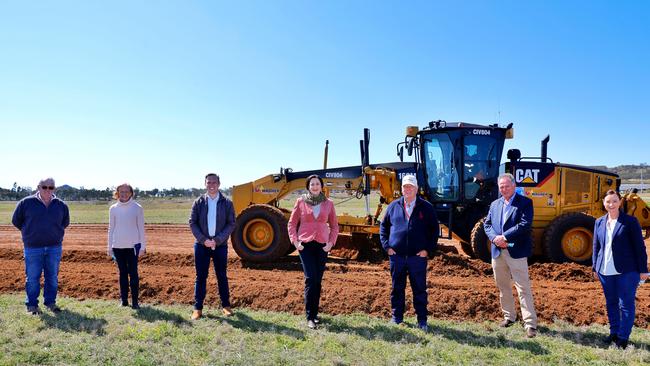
[459,288]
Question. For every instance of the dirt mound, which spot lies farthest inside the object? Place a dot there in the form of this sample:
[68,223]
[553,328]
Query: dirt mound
[459,288]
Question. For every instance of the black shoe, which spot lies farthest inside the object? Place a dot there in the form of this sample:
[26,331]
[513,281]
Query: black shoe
[612,338]
[311,324]
[54,308]
[33,310]
[506,323]
[125,303]
[135,306]
[621,343]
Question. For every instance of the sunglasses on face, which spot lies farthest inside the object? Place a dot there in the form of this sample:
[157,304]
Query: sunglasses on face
[45,188]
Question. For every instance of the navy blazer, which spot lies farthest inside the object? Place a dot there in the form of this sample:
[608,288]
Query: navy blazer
[225,219]
[628,247]
[517,227]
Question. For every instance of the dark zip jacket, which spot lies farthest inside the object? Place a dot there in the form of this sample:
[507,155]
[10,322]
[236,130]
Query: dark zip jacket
[409,236]
[39,225]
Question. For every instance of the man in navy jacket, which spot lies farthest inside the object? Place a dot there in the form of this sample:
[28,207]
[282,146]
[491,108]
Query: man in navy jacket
[409,233]
[212,220]
[508,226]
[42,219]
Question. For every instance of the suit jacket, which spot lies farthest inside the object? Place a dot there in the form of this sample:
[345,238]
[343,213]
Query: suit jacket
[516,227]
[225,219]
[628,247]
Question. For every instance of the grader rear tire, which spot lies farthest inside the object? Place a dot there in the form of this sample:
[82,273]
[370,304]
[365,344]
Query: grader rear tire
[480,242]
[569,238]
[261,234]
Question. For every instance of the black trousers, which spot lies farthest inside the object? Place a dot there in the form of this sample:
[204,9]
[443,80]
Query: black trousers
[127,263]
[313,259]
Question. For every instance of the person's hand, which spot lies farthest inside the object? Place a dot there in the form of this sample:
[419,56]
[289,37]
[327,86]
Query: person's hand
[328,247]
[391,251]
[210,243]
[110,253]
[299,245]
[596,275]
[500,241]
[423,253]
[141,253]
[644,276]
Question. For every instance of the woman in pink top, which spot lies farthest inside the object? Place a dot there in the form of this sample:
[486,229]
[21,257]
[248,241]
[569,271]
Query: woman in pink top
[313,229]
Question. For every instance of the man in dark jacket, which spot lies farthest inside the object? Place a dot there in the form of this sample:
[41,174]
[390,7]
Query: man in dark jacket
[42,219]
[409,233]
[508,226]
[212,220]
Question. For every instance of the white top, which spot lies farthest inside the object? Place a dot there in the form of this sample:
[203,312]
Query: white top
[212,215]
[315,210]
[126,225]
[607,268]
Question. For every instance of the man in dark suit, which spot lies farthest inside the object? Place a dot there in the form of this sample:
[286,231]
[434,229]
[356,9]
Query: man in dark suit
[508,226]
[212,220]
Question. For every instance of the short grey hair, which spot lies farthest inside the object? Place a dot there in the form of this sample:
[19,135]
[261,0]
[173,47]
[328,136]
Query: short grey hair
[48,179]
[508,176]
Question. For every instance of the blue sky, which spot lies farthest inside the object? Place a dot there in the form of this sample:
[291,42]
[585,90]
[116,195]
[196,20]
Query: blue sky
[158,93]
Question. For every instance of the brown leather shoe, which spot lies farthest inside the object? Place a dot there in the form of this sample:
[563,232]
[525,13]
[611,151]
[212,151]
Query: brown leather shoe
[197,314]
[227,311]
[531,332]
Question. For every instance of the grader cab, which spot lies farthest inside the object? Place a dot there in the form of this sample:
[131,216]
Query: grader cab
[458,167]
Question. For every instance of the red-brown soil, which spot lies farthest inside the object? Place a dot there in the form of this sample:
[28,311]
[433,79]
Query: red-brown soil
[459,288]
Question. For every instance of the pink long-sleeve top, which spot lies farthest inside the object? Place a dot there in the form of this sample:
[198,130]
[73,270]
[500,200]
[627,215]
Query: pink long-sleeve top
[323,229]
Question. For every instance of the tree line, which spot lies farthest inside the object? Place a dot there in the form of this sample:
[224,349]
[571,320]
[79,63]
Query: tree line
[69,193]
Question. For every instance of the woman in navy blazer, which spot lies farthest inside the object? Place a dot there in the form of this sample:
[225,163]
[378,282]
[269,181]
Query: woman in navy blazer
[619,262]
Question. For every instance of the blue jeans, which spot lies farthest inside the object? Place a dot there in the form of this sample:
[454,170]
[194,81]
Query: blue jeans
[37,261]
[620,293]
[202,257]
[313,259]
[415,268]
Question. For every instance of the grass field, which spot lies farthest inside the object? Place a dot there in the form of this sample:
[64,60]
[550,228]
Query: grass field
[169,211]
[94,332]
[166,211]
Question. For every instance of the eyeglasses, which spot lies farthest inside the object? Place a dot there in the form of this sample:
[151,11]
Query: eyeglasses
[45,188]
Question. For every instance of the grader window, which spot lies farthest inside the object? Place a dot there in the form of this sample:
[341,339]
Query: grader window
[577,187]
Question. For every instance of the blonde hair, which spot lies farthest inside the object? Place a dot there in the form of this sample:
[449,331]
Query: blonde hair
[116,194]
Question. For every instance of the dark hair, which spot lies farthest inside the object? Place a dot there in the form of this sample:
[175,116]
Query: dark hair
[611,192]
[309,178]
[212,175]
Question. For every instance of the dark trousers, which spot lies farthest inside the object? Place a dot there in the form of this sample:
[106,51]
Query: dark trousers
[127,263]
[202,257]
[620,293]
[415,268]
[313,259]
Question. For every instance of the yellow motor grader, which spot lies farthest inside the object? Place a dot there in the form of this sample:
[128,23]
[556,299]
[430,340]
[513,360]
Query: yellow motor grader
[457,166]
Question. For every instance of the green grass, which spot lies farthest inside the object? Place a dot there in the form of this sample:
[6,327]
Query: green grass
[170,211]
[97,332]
[156,211]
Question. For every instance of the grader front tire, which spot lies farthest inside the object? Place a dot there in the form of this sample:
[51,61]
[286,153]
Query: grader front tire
[261,234]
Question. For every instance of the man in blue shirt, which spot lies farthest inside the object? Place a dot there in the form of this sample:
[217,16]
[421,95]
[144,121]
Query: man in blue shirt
[212,221]
[42,219]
